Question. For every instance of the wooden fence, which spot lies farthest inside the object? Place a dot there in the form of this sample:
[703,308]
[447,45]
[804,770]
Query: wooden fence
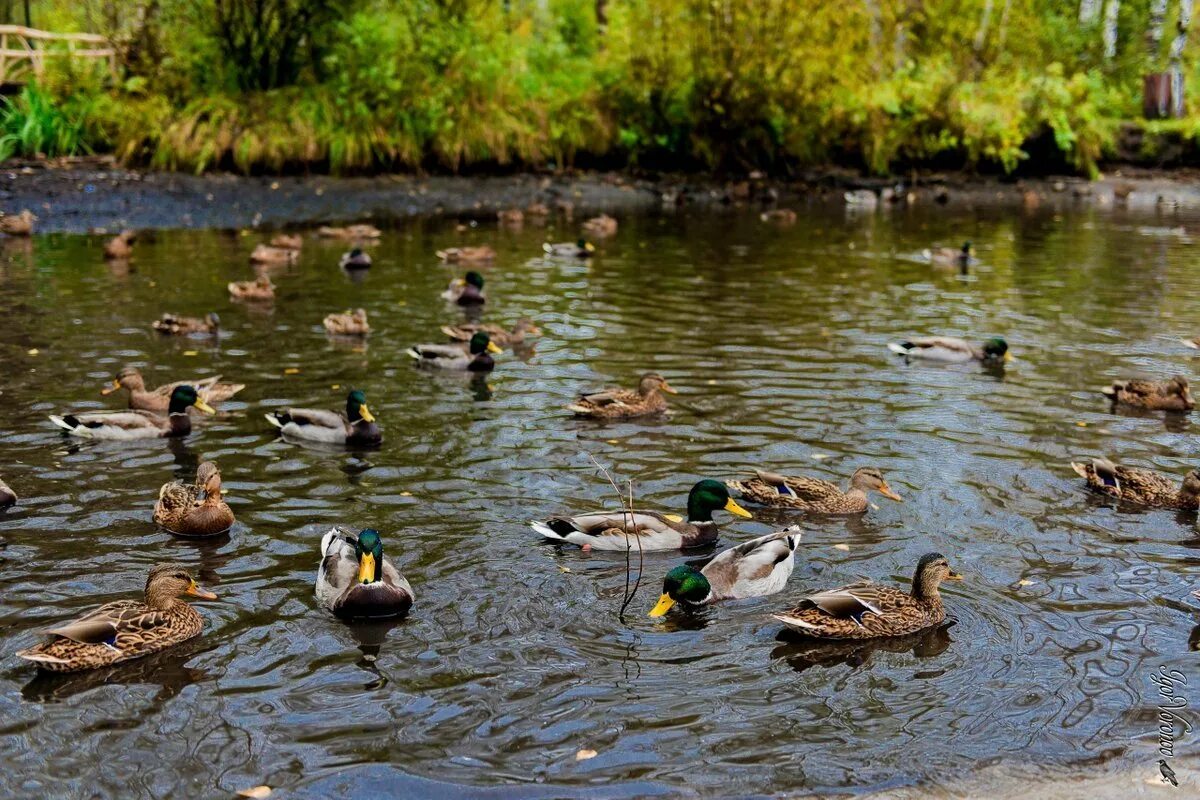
[23,51]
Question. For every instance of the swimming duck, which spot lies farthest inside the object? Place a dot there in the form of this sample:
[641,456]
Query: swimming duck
[19,224]
[137,424]
[458,255]
[476,358]
[211,390]
[948,256]
[757,568]
[269,254]
[356,426]
[260,288]
[600,227]
[512,217]
[120,246]
[125,629]
[194,509]
[175,325]
[350,323]
[951,349]
[355,259]
[813,494]
[1169,395]
[1140,486]
[358,233]
[466,291]
[7,496]
[287,242]
[780,216]
[355,581]
[872,611]
[605,530]
[620,403]
[501,337]
[578,249]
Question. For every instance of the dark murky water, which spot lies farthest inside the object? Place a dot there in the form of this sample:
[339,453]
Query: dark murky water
[513,658]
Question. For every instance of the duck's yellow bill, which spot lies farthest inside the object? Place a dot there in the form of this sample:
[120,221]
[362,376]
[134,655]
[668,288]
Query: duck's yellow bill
[366,568]
[734,508]
[203,406]
[1008,356]
[954,576]
[494,348]
[365,413]
[111,387]
[664,605]
[591,248]
[195,589]
[887,492]
[666,387]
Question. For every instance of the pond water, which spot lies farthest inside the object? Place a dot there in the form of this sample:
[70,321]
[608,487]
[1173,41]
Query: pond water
[514,658]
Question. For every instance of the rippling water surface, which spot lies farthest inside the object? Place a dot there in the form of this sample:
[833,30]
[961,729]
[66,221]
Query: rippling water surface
[514,657]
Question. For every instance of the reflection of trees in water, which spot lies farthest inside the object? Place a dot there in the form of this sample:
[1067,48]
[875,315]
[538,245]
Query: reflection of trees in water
[802,652]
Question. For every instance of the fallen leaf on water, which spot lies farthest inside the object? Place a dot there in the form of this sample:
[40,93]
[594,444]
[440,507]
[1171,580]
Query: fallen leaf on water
[274,184]
[584,755]
[292,371]
[257,791]
[613,441]
[406,494]
[191,352]
[1081,424]
[1024,582]
[336,386]
[32,351]
[844,547]
[564,569]
[820,456]
[711,381]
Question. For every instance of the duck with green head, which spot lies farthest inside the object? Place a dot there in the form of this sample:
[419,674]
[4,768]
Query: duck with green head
[646,530]
[466,291]
[356,427]
[355,581]
[948,256]
[477,357]
[951,350]
[136,424]
[580,248]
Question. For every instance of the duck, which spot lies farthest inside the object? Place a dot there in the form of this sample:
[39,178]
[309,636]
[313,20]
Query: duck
[195,509]
[7,496]
[757,568]
[458,255]
[953,350]
[1193,343]
[211,390]
[646,530]
[537,210]
[578,249]
[617,403]
[349,323]
[355,259]
[120,246]
[18,224]
[1140,486]
[601,227]
[287,242]
[175,325]
[125,629]
[269,254]
[813,494]
[872,611]
[780,216]
[260,288]
[1169,395]
[948,256]
[513,217]
[138,424]
[356,427]
[476,358]
[356,581]
[501,337]
[359,233]
[466,291]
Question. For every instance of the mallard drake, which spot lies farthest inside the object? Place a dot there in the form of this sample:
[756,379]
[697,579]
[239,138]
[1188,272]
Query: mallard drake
[458,255]
[872,611]
[175,325]
[623,403]
[288,242]
[260,288]
[136,424]
[578,249]
[466,291]
[948,256]
[780,216]
[18,224]
[358,233]
[813,494]
[1168,395]
[600,227]
[357,426]
[512,217]
[355,259]
[950,349]
[120,246]
[757,568]
[125,629]
[647,530]
[194,509]
[1140,486]
[501,337]
[211,390]
[356,581]
[350,323]
[7,496]
[269,254]
[476,358]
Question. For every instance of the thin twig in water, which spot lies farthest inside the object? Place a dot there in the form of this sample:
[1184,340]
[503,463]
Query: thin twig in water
[630,522]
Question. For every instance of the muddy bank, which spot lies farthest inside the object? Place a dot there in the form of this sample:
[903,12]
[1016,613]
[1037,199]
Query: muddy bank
[98,196]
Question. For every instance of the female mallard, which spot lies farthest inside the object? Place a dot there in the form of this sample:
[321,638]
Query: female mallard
[512,217]
[355,259]
[578,249]
[466,291]
[948,256]
[871,611]
[646,530]
[18,224]
[813,494]
[780,216]
[194,509]
[120,246]
[951,349]
[175,325]
[350,323]
[1169,395]
[7,496]
[125,629]
[460,255]
[625,403]
[357,426]
[122,425]
[211,390]
[757,568]
[501,337]
[287,242]
[601,227]
[353,233]
[476,358]
[1140,486]
[355,581]
[268,254]
[260,288]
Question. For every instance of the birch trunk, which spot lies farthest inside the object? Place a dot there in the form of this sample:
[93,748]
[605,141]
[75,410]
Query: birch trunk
[1109,32]
[1088,10]
[984,22]
[1176,57]
[1154,35]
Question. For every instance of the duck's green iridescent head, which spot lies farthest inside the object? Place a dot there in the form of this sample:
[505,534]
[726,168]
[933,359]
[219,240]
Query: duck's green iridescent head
[183,397]
[356,408]
[474,279]
[996,349]
[683,584]
[708,496]
[369,550]
[967,249]
[481,343]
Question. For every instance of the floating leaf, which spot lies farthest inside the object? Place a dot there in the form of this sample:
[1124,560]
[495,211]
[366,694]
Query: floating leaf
[274,184]
[336,386]
[1024,582]
[842,547]
[406,494]
[820,456]
[191,352]
[563,569]
[673,517]
[1081,424]
[33,351]
[292,371]
[257,792]
[612,441]
[584,755]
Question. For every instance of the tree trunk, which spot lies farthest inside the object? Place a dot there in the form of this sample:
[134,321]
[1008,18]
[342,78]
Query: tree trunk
[1176,58]
[1154,35]
[1109,33]
[1088,10]
[984,23]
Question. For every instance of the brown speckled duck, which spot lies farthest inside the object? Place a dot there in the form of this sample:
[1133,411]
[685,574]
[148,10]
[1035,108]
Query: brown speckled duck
[502,337]
[351,233]
[620,403]
[459,255]
[7,496]
[120,246]
[210,390]
[349,323]
[287,242]
[1168,395]
[174,325]
[269,254]
[813,494]
[1140,486]
[260,289]
[18,224]
[600,227]
[195,509]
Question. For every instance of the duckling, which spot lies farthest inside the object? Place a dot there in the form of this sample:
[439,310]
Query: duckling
[120,246]
[813,494]
[211,390]
[7,496]
[288,242]
[1169,395]
[268,254]
[18,225]
[502,338]
[624,403]
[197,509]
[953,350]
[466,291]
[356,427]
[356,581]
[356,233]
[175,325]
[477,357]
[601,227]
[350,323]
[260,289]
[948,256]
[780,216]
[1141,486]
[458,255]
[578,249]
[355,259]
[128,425]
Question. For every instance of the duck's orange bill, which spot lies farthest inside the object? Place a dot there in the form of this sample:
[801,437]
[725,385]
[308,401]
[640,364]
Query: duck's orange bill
[734,508]
[887,492]
[111,388]
[195,589]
